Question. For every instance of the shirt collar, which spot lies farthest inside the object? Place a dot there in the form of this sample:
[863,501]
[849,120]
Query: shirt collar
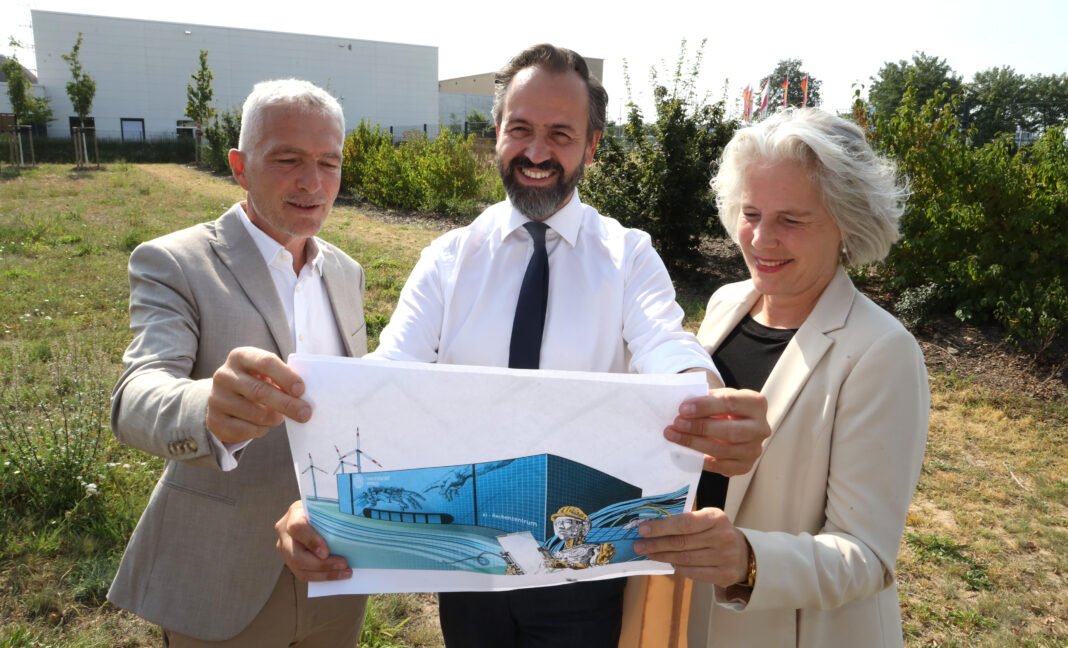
[271,249]
[565,222]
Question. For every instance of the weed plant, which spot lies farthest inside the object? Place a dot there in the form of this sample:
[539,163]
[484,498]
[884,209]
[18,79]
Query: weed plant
[52,427]
[383,623]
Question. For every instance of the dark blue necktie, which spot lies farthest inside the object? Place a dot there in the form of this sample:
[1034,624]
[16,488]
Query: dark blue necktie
[529,323]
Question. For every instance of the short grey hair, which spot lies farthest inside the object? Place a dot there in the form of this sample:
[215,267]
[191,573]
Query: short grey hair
[297,93]
[860,189]
[557,60]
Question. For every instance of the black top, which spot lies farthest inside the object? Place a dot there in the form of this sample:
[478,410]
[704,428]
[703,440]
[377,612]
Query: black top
[746,358]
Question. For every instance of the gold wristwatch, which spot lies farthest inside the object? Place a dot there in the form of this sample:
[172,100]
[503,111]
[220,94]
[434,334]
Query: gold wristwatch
[751,572]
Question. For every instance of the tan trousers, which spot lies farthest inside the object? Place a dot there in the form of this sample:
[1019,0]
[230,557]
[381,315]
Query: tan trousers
[290,619]
[656,611]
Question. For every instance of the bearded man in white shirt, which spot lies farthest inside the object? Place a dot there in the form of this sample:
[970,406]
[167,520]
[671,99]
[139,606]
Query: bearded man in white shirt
[610,307]
[214,308]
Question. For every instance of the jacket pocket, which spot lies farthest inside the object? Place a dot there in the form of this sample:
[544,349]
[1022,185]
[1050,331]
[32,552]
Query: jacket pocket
[201,493]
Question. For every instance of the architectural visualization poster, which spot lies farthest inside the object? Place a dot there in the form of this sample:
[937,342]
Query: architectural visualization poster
[448,478]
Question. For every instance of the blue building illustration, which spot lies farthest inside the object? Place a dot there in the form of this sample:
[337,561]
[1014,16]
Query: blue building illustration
[512,495]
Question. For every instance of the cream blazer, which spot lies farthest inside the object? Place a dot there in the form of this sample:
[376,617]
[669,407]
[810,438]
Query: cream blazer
[824,506]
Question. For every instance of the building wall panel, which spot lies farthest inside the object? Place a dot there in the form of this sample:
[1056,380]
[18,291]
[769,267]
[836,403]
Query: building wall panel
[142,69]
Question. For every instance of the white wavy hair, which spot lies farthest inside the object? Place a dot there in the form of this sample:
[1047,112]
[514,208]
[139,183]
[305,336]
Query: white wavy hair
[285,92]
[860,189]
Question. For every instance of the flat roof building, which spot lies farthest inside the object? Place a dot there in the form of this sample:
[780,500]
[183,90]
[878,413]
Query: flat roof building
[142,68]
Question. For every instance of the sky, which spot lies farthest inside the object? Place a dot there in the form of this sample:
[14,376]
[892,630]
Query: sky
[841,43]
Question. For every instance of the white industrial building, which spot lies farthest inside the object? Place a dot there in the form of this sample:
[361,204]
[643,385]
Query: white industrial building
[142,68]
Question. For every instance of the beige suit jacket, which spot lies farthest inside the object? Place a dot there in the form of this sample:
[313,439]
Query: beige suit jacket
[824,507]
[202,559]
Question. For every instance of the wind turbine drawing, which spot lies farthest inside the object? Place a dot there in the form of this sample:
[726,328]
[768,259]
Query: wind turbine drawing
[359,455]
[341,462]
[312,468]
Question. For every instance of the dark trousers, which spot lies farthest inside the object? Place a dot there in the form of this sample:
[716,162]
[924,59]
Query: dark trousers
[578,615]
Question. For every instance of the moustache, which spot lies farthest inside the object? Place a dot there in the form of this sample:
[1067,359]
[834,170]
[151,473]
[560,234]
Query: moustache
[524,162]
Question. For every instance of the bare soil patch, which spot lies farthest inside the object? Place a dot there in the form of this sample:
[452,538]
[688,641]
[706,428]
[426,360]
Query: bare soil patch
[979,353]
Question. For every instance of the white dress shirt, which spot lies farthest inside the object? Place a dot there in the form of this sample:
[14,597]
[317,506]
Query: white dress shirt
[611,303]
[307,306]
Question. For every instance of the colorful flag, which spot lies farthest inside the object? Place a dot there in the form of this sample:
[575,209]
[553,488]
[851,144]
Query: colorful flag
[785,87]
[747,103]
[764,98]
[804,92]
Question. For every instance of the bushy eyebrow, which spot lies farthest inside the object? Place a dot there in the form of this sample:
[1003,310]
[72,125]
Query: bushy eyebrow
[526,122]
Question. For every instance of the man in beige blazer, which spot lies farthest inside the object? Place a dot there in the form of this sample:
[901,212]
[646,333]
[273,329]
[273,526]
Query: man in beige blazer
[215,309]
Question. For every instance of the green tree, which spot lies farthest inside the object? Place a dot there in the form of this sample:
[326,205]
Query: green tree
[81,88]
[18,86]
[199,94]
[28,109]
[1047,98]
[655,177]
[928,75]
[995,103]
[791,69]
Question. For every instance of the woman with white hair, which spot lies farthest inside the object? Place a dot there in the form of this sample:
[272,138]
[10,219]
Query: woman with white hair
[800,551]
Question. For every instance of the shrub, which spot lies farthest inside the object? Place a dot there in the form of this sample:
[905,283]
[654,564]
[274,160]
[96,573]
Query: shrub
[916,304]
[222,135]
[984,224]
[361,144]
[391,178]
[656,177]
[442,175]
[450,172]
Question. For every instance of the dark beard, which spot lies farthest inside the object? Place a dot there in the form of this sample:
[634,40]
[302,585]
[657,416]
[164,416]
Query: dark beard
[538,203]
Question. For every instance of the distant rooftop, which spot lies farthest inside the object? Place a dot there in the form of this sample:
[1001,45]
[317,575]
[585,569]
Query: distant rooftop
[29,75]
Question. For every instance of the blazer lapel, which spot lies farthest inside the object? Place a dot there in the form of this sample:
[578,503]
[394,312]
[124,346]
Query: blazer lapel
[726,314]
[236,249]
[791,372]
[344,300]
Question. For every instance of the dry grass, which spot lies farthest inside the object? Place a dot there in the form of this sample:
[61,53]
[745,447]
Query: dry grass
[984,562]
